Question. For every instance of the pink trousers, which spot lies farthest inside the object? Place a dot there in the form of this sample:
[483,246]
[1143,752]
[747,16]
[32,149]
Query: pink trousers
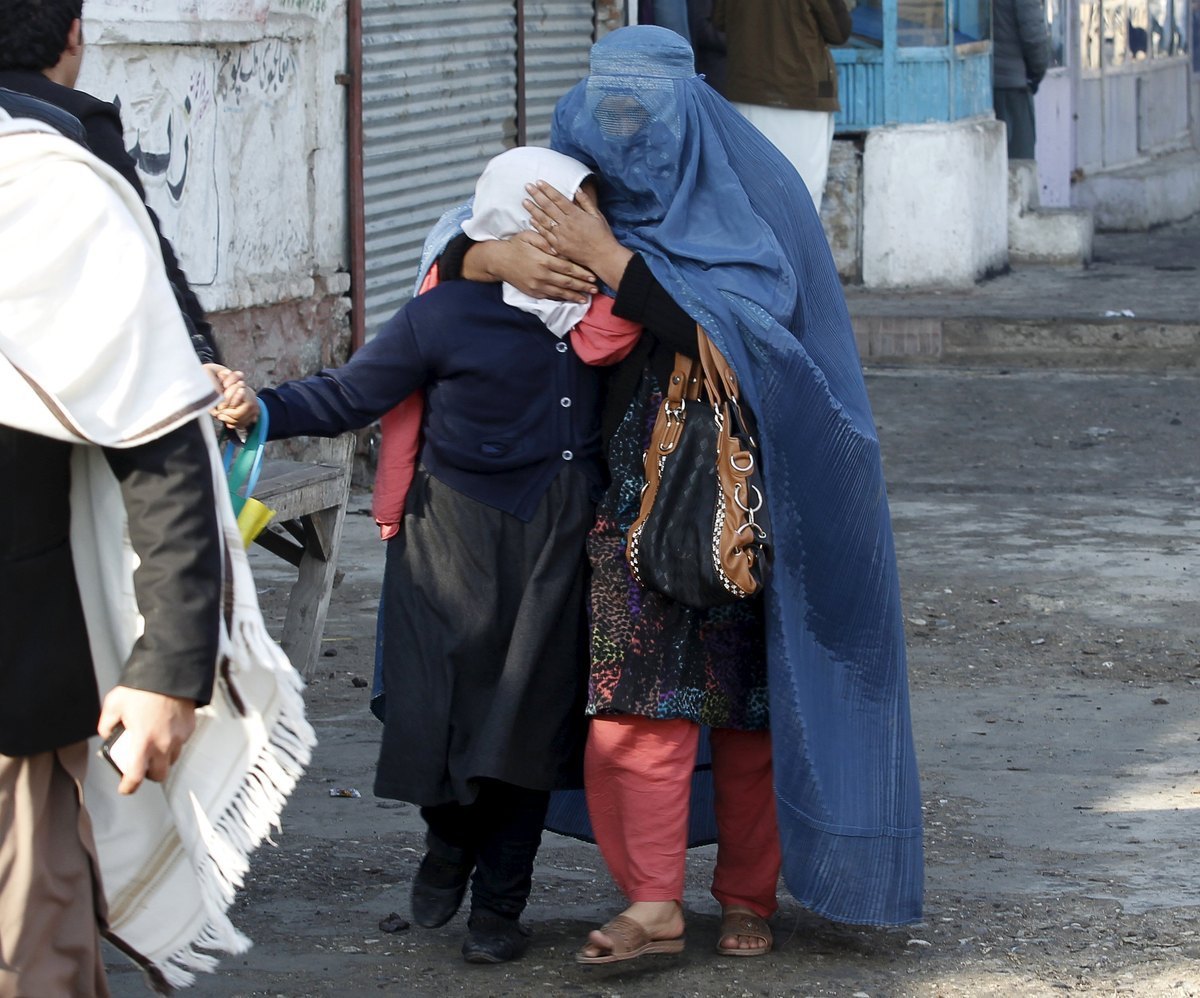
[638,774]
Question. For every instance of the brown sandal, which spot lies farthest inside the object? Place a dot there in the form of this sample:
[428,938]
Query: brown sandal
[630,940]
[739,922]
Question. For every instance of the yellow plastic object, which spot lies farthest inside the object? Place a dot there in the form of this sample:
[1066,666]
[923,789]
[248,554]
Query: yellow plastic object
[252,520]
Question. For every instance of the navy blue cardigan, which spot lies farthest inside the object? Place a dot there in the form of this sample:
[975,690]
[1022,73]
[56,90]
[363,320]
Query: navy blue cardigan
[507,404]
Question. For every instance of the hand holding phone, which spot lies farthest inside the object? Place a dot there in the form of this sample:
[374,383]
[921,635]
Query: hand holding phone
[144,733]
[118,751]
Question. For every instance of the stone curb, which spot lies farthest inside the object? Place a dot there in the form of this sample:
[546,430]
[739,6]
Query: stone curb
[1120,345]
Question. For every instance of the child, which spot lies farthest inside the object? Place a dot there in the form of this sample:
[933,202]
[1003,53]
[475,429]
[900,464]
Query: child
[484,631]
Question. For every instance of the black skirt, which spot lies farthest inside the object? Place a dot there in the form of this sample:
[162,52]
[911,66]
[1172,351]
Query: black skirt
[484,644]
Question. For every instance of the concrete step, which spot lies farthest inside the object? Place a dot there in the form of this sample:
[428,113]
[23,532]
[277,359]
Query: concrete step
[1046,236]
[1023,191]
[1137,198]
[1054,236]
[1080,344]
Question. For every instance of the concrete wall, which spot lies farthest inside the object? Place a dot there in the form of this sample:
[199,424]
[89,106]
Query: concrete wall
[841,208]
[233,115]
[935,204]
[1132,112]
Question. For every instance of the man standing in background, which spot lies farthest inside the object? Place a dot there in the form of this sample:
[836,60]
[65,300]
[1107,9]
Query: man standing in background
[780,75]
[1020,56]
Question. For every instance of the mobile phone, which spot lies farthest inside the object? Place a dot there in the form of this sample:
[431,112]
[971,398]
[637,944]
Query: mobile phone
[116,751]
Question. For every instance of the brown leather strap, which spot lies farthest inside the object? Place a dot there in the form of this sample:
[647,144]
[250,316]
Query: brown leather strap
[720,382]
[685,379]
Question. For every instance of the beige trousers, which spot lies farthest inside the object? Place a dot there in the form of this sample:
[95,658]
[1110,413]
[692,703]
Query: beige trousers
[804,137]
[51,905]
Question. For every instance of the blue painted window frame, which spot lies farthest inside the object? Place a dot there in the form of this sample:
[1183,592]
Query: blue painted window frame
[892,84]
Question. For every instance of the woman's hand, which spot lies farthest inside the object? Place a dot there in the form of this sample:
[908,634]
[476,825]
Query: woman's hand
[526,262]
[576,230]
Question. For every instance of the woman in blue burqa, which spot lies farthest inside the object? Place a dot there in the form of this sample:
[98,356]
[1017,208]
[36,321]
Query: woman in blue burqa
[800,696]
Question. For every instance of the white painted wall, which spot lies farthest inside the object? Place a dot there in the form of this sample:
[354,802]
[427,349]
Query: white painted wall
[1132,113]
[234,117]
[1053,114]
[935,203]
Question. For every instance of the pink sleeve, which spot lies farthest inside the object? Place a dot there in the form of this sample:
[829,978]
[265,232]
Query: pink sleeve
[602,338]
[398,447]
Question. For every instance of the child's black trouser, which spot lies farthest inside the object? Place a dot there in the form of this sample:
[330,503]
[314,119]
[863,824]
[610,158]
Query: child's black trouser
[501,831]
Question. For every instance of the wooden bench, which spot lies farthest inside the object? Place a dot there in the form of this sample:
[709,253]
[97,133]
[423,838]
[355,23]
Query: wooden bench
[309,500]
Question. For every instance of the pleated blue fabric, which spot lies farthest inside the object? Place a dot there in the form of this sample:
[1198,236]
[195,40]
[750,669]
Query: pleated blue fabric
[728,228]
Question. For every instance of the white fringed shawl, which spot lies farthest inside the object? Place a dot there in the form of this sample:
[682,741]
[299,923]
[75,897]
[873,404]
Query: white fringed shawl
[93,351]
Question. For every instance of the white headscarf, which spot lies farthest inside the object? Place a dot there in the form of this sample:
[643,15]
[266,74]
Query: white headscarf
[498,213]
[86,312]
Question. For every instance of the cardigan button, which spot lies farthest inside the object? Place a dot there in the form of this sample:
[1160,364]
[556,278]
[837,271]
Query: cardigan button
[567,455]
[566,403]
[561,347]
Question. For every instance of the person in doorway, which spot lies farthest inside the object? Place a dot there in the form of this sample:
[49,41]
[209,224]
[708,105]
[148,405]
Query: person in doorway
[780,74]
[41,52]
[482,613]
[1020,57]
[804,691]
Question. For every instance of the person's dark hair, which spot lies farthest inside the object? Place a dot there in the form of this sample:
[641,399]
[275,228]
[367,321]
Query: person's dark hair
[33,33]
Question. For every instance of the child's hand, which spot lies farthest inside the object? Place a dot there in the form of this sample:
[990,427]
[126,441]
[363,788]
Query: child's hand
[223,379]
[238,407]
[239,410]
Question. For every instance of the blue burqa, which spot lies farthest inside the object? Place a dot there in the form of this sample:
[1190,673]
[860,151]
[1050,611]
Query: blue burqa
[729,230]
[727,227]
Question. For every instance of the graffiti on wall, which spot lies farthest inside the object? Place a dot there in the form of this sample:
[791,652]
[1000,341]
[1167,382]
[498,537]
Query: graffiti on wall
[171,134]
[261,70]
[192,117]
[167,157]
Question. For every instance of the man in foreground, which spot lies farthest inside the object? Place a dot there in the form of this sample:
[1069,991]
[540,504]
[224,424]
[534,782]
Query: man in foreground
[55,251]
[124,585]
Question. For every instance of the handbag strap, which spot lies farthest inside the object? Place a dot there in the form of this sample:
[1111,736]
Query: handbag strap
[244,470]
[685,380]
[720,381]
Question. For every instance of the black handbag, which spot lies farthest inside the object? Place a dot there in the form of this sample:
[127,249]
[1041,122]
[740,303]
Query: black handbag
[701,536]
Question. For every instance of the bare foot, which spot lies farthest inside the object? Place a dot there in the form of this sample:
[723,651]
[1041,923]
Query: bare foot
[758,939]
[660,919]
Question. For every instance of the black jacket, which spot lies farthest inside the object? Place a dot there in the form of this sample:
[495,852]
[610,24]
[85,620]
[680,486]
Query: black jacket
[106,138]
[48,694]
[1020,44]
[19,105]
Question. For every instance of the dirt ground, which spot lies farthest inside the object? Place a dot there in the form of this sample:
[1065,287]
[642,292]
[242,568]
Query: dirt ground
[1046,527]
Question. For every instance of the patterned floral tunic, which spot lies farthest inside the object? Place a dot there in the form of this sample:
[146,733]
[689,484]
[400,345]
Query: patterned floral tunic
[652,656]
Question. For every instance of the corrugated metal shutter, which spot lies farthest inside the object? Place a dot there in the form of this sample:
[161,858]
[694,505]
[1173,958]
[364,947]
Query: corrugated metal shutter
[439,100]
[439,85]
[558,37]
